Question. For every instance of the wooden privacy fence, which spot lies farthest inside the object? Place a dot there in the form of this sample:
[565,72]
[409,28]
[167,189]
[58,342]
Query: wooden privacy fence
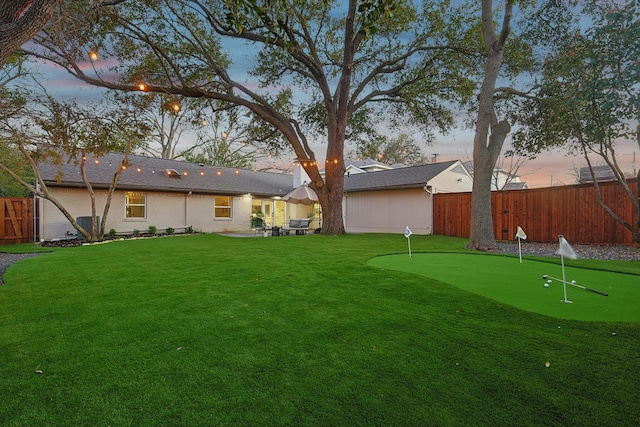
[17,225]
[543,213]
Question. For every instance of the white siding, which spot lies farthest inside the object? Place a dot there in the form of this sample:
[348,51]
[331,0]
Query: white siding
[176,210]
[453,180]
[388,211]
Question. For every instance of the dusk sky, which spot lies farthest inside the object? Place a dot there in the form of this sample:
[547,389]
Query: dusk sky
[552,168]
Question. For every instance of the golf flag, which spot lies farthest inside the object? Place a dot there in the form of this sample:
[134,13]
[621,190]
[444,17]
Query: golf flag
[520,235]
[407,232]
[565,249]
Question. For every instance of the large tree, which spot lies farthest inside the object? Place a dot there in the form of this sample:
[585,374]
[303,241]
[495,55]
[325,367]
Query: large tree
[20,20]
[318,69]
[590,96]
[43,131]
[507,59]
[490,131]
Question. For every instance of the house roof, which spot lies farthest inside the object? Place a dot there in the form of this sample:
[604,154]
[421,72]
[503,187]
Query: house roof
[515,186]
[602,173]
[407,177]
[148,173]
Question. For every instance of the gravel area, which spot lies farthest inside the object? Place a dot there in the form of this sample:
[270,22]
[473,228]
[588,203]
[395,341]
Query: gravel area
[7,259]
[604,252]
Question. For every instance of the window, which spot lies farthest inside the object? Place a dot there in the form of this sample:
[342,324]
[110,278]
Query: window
[222,208]
[136,204]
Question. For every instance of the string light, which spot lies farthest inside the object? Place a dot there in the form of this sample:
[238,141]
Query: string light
[185,173]
[142,86]
[201,173]
[93,55]
[219,172]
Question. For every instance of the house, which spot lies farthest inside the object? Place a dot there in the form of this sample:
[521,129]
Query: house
[502,179]
[165,193]
[171,193]
[388,201]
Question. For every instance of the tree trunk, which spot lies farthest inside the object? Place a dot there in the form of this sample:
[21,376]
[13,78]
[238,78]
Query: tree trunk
[484,161]
[333,189]
[486,149]
[332,219]
[482,236]
[20,20]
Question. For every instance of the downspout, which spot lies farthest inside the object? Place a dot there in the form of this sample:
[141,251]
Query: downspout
[186,210]
[430,190]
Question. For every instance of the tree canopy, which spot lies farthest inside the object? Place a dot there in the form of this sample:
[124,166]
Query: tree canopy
[589,100]
[42,130]
[329,70]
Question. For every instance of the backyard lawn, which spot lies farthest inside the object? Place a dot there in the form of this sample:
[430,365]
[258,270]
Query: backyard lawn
[305,330]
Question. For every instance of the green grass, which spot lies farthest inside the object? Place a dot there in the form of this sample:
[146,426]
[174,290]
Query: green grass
[505,279]
[299,330]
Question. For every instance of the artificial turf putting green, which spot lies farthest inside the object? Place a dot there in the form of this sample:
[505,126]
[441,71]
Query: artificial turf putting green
[521,285]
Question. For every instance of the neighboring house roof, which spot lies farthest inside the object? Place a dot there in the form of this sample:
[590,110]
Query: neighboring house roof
[353,167]
[602,173]
[407,177]
[369,165]
[515,186]
[148,173]
[502,178]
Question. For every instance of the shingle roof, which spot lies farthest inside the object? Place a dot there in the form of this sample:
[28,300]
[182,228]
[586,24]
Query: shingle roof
[602,173]
[148,173]
[515,186]
[407,177]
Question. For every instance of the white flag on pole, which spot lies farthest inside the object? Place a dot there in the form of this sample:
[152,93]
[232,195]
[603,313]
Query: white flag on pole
[407,232]
[520,234]
[565,249]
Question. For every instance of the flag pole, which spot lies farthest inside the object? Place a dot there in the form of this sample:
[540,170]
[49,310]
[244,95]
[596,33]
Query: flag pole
[564,279]
[520,249]
[407,234]
[520,234]
[564,248]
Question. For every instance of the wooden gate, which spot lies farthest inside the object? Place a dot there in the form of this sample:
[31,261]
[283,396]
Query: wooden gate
[17,225]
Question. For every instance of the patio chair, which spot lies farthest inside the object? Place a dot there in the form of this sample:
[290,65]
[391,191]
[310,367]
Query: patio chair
[259,225]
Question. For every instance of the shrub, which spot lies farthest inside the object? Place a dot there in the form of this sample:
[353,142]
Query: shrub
[112,232]
[188,229]
[136,232]
[170,230]
[153,229]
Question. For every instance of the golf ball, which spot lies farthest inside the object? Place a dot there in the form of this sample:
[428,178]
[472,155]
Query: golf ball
[549,281]
[546,285]
[573,282]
